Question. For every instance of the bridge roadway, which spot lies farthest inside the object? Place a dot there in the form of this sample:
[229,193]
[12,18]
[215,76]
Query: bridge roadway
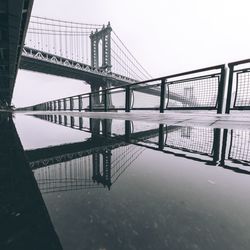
[14,19]
[43,62]
[47,156]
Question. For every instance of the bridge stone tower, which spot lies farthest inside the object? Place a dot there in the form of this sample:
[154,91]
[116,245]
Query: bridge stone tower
[101,59]
[103,36]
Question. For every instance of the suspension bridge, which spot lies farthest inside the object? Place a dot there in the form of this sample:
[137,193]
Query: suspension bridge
[89,52]
[92,53]
[95,54]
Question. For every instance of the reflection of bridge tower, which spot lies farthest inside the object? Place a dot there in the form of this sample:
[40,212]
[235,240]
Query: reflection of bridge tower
[103,175]
[101,158]
[101,59]
[97,125]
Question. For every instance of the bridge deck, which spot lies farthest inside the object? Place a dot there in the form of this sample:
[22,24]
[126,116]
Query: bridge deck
[204,119]
[14,19]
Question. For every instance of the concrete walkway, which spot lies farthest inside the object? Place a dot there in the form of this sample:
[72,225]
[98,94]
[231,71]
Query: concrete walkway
[239,119]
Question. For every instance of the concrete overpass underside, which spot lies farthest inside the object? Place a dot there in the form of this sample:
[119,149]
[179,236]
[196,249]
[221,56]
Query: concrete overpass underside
[14,19]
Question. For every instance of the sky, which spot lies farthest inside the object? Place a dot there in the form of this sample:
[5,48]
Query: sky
[166,36]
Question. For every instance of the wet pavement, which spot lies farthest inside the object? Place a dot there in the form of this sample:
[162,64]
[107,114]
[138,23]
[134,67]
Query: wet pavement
[74,182]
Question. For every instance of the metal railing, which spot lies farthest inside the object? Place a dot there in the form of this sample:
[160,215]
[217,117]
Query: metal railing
[239,150]
[238,97]
[201,89]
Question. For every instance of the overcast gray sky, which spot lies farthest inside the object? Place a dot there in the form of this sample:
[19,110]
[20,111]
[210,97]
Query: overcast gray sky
[166,36]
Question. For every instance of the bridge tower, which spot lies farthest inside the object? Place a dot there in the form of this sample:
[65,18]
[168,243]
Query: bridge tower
[101,60]
[103,36]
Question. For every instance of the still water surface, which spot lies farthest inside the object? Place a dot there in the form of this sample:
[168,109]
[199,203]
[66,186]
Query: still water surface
[80,183]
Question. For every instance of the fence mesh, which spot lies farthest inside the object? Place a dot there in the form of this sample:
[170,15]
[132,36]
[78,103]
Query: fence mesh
[196,93]
[242,95]
[240,146]
[198,140]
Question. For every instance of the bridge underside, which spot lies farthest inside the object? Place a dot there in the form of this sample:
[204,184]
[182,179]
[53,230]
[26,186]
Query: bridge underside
[14,19]
[31,64]
[42,66]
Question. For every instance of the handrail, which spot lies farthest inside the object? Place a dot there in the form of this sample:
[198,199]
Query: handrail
[220,66]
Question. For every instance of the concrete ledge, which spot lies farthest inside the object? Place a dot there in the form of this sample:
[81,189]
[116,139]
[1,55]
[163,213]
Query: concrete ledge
[200,119]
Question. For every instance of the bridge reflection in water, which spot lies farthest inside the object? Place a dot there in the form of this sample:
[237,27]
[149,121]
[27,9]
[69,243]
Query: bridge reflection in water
[95,163]
[99,161]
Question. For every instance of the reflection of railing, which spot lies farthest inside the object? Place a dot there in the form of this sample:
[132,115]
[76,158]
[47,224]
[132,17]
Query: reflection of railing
[240,146]
[67,121]
[201,144]
[197,140]
[194,143]
[201,89]
[238,97]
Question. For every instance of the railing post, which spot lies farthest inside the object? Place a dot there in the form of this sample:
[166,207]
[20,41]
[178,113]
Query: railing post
[60,119]
[80,103]
[64,104]
[163,95]
[127,130]
[59,105]
[221,89]
[229,88]
[216,145]
[224,146]
[127,99]
[161,137]
[90,102]
[65,120]
[72,121]
[71,103]
[105,101]
[80,123]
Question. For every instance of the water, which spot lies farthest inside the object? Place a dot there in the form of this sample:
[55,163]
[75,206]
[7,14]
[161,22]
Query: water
[116,184]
